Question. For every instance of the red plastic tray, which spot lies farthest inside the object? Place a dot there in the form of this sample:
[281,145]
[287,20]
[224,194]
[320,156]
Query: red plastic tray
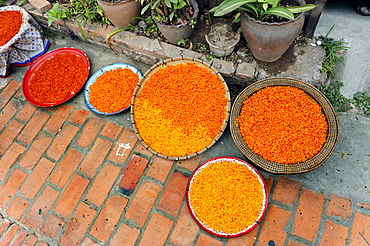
[224,234]
[29,73]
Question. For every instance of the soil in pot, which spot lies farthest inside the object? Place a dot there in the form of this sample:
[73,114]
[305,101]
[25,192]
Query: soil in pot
[222,39]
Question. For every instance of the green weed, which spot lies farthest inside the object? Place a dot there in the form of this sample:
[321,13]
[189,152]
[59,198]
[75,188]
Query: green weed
[362,101]
[333,50]
[339,102]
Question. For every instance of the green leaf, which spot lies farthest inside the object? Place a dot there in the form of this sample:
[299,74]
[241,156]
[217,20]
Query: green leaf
[299,9]
[278,11]
[228,6]
[168,3]
[250,8]
[144,9]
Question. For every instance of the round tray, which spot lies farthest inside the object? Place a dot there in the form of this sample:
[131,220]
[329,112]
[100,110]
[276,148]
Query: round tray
[101,71]
[30,72]
[273,167]
[176,61]
[230,160]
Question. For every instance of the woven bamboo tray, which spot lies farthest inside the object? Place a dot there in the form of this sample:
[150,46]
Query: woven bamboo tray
[175,61]
[273,167]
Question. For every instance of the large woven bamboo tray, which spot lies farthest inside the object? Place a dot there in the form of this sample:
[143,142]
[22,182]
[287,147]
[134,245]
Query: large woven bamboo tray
[175,61]
[273,167]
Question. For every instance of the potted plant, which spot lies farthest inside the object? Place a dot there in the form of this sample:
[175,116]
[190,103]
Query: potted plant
[175,18]
[121,13]
[269,26]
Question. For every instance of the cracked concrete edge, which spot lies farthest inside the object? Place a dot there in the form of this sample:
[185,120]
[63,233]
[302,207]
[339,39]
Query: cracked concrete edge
[144,49]
[150,51]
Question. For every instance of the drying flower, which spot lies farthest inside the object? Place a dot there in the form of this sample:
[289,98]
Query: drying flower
[226,196]
[112,91]
[283,124]
[58,78]
[180,109]
[11,23]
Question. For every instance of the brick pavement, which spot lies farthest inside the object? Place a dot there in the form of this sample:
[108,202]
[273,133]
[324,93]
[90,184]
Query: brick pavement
[66,180]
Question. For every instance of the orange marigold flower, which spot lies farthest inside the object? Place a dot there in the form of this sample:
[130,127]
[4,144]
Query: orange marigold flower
[180,109]
[57,78]
[11,22]
[112,91]
[226,196]
[283,124]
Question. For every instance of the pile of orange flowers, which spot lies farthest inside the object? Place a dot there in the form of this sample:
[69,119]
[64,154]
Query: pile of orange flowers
[180,109]
[11,23]
[112,91]
[226,197]
[283,124]
[58,78]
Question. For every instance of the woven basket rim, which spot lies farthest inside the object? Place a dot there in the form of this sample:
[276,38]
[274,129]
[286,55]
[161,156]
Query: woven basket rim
[172,61]
[274,167]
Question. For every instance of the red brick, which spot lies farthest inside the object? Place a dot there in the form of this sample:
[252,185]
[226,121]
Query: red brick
[66,168]
[9,188]
[79,116]
[17,208]
[132,174]
[108,218]
[185,226]
[42,244]
[59,117]
[273,226]
[125,236]
[140,148]
[205,240]
[95,157]
[71,196]
[143,203]
[8,92]
[9,158]
[308,214]
[269,182]
[31,240]
[41,5]
[37,178]
[4,224]
[102,184]
[174,194]
[8,237]
[190,164]
[33,127]
[89,132]
[247,239]
[52,226]
[120,154]
[61,142]
[37,149]
[78,225]
[286,190]
[363,205]
[339,207]
[20,238]
[26,112]
[334,234]
[89,242]
[160,168]
[9,134]
[7,113]
[157,230]
[111,130]
[40,208]
[360,229]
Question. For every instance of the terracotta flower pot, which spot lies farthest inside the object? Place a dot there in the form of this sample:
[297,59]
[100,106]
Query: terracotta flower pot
[269,41]
[222,39]
[122,13]
[174,33]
